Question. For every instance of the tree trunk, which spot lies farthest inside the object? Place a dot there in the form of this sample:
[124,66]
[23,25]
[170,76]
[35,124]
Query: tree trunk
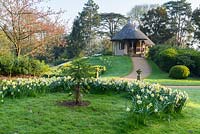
[78,94]
[18,49]
[18,52]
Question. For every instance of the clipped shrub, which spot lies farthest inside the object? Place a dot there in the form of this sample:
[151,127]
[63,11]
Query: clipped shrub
[167,59]
[179,72]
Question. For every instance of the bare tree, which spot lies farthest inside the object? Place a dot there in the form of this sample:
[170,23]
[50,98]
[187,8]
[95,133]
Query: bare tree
[27,27]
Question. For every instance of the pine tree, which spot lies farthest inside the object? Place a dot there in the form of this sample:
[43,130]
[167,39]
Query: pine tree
[84,29]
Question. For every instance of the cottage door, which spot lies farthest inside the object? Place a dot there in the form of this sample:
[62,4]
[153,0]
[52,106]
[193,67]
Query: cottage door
[131,48]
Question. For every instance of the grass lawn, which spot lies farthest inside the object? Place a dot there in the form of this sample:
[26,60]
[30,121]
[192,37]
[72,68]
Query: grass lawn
[105,115]
[117,66]
[161,77]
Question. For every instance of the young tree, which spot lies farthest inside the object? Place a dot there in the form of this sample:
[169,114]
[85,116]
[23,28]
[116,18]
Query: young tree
[79,71]
[154,24]
[111,23]
[27,27]
[180,13]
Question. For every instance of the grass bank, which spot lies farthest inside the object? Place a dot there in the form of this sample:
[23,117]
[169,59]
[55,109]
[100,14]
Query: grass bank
[117,66]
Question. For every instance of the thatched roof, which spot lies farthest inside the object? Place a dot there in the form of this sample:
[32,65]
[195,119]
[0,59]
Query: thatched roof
[149,42]
[130,32]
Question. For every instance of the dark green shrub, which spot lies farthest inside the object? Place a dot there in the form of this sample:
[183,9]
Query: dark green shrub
[179,72]
[6,64]
[190,58]
[21,66]
[167,58]
[11,65]
[181,56]
[185,59]
[155,50]
[196,59]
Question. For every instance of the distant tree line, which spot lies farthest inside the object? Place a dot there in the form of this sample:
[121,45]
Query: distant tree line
[25,30]
[172,23]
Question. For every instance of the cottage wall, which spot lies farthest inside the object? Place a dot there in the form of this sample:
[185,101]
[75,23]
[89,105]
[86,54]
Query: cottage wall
[118,51]
[140,49]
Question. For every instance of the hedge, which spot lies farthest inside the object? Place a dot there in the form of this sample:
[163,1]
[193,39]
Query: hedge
[167,56]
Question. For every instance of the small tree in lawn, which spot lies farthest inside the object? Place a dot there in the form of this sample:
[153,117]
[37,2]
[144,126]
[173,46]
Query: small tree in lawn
[79,71]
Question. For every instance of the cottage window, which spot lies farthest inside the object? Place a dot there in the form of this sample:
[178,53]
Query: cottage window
[121,46]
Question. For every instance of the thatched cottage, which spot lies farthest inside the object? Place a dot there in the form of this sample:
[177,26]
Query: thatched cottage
[131,41]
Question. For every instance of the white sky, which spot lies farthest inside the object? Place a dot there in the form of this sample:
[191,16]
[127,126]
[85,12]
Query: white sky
[72,7]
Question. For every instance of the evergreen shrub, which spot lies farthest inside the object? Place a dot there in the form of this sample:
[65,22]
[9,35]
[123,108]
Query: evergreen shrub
[179,72]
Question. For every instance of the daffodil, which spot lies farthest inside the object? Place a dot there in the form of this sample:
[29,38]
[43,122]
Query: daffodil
[128,109]
[139,102]
[138,97]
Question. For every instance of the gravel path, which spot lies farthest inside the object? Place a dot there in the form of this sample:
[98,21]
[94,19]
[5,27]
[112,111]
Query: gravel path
[139,63]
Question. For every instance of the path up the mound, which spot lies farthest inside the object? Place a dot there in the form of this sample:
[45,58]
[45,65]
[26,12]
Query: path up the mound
[139,63]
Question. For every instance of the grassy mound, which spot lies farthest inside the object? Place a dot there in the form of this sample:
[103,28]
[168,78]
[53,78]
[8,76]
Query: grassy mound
[116,66]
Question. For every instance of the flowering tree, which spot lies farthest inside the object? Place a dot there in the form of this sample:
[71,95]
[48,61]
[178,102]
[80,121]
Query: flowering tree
[27,27]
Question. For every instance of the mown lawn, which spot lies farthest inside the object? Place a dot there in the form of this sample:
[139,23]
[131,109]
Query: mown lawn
[158,76]
[105,115]
[117,66]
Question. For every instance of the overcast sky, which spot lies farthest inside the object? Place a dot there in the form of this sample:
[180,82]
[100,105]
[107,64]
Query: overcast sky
[72,7]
